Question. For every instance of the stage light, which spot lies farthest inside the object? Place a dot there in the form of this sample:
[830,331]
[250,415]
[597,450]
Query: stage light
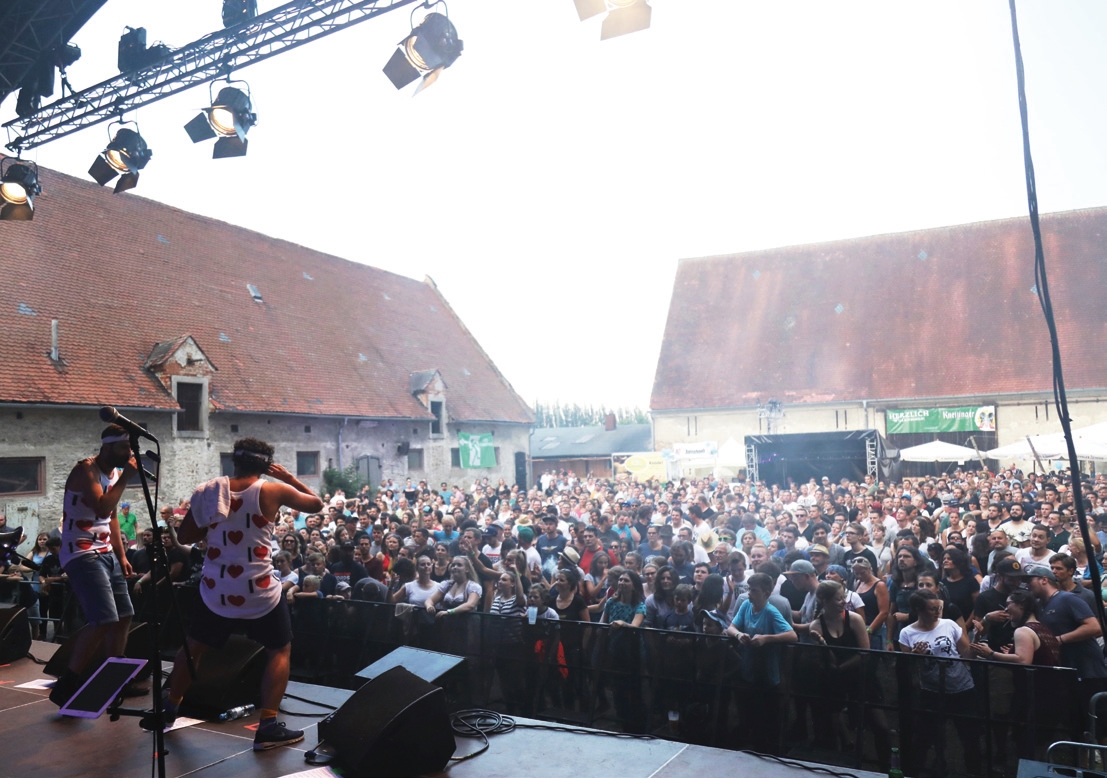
[18,187]
[238,11]
[127,154]
[229,118]
[430,48]
[623,16]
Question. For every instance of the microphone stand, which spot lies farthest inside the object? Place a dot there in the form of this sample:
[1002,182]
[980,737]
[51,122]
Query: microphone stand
[159,571]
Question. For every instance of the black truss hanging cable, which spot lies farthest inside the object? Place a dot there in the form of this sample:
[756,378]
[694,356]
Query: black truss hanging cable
[214,55]
[1060,397]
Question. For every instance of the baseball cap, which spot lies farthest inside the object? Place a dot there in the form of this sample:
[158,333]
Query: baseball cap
[1008,566]
[125,505]
[526,533]
[801,567]
[491,531]
[1038,571]
[348,545]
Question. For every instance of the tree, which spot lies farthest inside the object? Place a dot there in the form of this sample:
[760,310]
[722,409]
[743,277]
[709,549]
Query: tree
[559,414]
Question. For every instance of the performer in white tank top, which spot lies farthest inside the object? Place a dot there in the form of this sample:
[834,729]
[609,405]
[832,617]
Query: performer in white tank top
[94,558]
[239,590]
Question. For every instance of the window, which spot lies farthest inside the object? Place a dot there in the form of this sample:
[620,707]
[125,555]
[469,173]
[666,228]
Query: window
[190,397]
[307,463]
[22,476]
[436,425]
[455,457]
[226,464]
[415,459]
[497,453]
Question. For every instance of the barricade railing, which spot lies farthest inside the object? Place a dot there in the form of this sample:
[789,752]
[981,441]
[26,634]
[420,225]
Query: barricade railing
[838,706]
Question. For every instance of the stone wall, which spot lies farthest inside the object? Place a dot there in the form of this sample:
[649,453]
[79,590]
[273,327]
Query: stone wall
[62,436]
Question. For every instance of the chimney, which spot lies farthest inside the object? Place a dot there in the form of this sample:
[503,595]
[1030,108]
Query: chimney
[54,356]
[609,422]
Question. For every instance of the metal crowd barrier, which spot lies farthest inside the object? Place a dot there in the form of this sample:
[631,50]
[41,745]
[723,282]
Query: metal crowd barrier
[688,687]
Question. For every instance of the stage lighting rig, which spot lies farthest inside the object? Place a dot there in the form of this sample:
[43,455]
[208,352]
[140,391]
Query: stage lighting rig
[431,47]
[127,153]
[18,187]
[623,16]
[237,11]
[229,118]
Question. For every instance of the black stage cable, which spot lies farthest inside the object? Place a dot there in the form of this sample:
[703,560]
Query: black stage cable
[1060,398]
[799,765]
[309,702]
[35,659]
[478,723]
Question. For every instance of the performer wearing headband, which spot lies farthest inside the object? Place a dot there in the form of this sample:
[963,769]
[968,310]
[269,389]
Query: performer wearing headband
[239,589]
[93,557]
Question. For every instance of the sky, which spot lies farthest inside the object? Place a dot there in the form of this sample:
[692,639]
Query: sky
[550,182]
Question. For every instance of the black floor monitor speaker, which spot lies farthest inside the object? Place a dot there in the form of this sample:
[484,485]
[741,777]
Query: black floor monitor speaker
[229,677]
[15,634]
[138,647]
[396,724]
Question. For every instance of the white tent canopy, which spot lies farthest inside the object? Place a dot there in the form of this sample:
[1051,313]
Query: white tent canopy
[1090,443]
[731,454]
[937,451]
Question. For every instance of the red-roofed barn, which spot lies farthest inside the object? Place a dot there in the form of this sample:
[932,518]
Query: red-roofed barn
[898,333]
[208,332]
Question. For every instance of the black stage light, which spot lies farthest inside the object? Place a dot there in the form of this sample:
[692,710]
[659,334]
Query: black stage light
[18,187]
[430,48]
[623,16]
[229,118]
[127,154]
[238,11]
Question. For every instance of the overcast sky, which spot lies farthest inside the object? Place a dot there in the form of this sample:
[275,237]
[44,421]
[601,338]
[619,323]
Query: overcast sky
[549,182]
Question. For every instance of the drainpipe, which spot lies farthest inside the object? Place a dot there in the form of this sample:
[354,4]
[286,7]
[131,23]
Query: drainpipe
[339,457]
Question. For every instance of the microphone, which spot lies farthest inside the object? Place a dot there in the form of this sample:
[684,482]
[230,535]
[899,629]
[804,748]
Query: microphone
[112,416]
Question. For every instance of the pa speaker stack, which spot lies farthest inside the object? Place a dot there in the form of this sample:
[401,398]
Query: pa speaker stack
[15,634]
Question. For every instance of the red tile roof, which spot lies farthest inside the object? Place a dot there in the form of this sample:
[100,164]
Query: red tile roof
[935,313]
[122,273]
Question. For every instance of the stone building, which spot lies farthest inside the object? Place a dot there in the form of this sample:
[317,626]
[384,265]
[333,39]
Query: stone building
[878,333]
[206,332]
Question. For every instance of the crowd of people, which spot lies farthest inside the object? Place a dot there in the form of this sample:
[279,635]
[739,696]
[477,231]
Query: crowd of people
[966,566]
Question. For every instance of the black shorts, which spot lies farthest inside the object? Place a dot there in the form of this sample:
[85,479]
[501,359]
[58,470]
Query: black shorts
[273,630]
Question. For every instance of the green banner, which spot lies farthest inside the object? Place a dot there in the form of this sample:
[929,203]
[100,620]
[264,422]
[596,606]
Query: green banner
[981,418]
[476,450]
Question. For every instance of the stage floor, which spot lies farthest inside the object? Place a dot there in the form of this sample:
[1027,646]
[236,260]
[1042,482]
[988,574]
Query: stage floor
[40,743]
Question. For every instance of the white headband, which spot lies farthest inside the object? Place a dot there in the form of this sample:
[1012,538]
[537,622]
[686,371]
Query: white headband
[114,439]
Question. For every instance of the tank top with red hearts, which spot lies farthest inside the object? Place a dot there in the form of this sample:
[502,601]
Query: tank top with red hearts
[83,532]
[238,580]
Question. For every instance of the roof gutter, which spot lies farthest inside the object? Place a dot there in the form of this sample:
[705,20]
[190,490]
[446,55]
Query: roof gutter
[85,407]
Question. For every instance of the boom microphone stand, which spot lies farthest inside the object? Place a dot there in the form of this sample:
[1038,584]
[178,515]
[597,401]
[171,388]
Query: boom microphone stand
[159,571]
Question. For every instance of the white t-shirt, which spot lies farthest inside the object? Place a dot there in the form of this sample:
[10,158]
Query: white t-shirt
[418,596]
[942,643]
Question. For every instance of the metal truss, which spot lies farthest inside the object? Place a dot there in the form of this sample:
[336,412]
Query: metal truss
[872,463]
[752,471]
[207,59]
[31,27]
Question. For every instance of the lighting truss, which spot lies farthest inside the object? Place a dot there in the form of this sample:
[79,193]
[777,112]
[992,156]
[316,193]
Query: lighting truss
[206,59]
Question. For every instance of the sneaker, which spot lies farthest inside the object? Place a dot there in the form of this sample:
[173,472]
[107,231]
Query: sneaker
[169,716]
[276,735]
[135,688]
[64,688]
